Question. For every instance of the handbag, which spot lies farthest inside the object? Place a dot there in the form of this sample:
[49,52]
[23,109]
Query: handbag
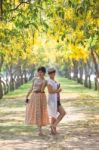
[27,100]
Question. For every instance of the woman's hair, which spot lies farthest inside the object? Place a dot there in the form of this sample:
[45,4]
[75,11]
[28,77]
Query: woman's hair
[43,69]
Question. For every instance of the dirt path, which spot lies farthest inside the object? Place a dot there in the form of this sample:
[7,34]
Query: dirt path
[79,130]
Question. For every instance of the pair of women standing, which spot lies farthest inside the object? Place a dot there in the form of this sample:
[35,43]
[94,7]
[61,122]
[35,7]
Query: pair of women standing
[36,108]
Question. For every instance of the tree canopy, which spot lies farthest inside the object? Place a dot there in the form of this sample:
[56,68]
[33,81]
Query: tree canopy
[59,32]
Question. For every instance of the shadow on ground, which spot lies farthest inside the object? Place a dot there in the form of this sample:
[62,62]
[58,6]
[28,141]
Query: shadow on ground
[79,130]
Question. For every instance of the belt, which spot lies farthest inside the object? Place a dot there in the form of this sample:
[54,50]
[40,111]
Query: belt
[38,92]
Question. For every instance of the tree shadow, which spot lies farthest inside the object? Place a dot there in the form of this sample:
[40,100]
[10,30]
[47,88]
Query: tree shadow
[79,130]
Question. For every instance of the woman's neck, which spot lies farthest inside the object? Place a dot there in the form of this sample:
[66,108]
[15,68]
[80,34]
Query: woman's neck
[52,78]
[41,77]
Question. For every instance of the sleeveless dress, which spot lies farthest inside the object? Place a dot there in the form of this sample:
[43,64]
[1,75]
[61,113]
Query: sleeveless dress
[53,101]
[36,109]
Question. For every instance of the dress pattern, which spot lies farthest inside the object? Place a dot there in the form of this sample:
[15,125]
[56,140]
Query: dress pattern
[36,109]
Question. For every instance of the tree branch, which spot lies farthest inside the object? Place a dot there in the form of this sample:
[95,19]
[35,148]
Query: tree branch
[19,6]
[97,54]
[94,60]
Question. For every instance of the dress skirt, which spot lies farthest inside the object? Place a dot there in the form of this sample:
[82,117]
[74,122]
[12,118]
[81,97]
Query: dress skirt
[36,110]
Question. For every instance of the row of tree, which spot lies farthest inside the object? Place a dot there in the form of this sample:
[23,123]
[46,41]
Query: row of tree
[75,28]
[62,33]
[19,21]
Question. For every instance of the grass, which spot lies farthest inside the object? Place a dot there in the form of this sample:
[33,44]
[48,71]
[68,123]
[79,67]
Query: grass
[70,86]
[19,92]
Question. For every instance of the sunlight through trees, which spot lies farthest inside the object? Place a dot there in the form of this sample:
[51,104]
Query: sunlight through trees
[63,33]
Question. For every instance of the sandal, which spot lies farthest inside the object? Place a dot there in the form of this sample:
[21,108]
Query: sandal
[53,130]
[40,134]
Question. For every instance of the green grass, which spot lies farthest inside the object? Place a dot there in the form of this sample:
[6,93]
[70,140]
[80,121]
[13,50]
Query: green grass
[70,86]
[21,91]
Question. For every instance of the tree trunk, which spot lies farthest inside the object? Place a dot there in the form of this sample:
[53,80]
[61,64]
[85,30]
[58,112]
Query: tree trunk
[31,74]
[97,83]
[80,70]
[7,81]
[89,82]
[68,72]
[75,70]
[86,81]
[1,89]
[89,73]
[1,9]
[25,76]
[17,82]
[1,62]
[21,76]
[96,70]
[4,87]
[86,76]
[12,86]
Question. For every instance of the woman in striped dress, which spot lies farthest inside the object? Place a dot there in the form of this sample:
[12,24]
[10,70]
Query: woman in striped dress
[36,109]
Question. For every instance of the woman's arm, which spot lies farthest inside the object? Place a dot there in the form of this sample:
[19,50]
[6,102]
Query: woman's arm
[51,90]
[29,92]
[43,86]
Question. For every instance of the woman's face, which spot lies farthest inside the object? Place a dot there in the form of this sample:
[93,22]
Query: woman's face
[41,74]
[52,75]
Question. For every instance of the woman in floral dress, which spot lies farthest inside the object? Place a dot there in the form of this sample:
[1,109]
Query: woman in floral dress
[36,108]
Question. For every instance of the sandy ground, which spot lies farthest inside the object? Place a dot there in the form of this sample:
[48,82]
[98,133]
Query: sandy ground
[79,130]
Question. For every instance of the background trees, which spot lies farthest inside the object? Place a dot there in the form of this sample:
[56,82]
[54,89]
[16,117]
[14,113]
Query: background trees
[61,33]
[75,25]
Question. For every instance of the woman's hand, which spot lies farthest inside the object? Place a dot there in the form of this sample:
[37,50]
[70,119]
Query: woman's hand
[51,90]
[27,100]
[29,92]
[59,90]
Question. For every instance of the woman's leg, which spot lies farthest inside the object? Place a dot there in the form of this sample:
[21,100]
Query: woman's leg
[61,115]
[52,122]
